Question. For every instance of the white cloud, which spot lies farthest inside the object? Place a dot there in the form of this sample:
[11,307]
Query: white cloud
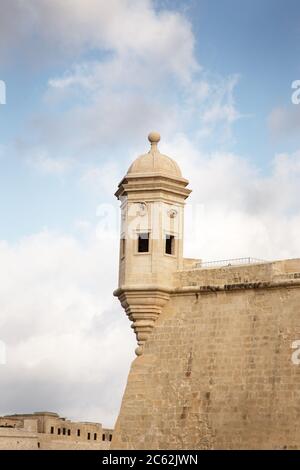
[235,211]
[48,165]
[123,26]
[147,95]
[143,74]
[69,343]
[127,69]
[62,327]
[102,179]
[221,108]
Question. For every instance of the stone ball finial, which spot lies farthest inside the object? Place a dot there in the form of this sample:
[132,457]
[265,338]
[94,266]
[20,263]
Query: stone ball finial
[153,161]
[154,137]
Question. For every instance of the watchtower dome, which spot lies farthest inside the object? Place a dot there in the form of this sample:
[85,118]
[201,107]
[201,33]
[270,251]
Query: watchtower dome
[152,196]
[154,161]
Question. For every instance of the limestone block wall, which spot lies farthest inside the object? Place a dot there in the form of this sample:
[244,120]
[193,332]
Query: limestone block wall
[17,439]
[216,372]
[249,273]
[48,443]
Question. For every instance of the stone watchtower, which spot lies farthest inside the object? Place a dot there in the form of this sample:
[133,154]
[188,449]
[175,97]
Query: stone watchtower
[220,369]
[152,196]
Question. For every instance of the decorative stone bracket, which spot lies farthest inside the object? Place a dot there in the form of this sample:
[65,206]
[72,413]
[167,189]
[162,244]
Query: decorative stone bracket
[143,306]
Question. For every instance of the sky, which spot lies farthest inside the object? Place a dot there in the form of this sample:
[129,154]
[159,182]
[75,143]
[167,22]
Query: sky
[86,81]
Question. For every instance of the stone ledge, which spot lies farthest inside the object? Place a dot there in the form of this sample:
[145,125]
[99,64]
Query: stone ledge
[239,286]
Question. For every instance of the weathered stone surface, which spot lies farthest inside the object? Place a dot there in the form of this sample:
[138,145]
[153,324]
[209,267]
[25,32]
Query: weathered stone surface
[217,373]
[216,368]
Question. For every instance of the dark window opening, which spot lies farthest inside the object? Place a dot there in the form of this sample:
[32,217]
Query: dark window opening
[69,432]
[110,437]
[64,431]
[52,430]
[103,437]
[143,243]
[89,435]
[95,436]
[39,445]
[58,431]
[123,247]
[78,432]
[169,249]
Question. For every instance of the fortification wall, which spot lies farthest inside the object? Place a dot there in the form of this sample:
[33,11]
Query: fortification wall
[12,439]
[48,443]
[17,439]
[217,370]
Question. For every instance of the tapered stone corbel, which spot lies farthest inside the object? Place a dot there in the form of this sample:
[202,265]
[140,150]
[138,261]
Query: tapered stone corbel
[143,308]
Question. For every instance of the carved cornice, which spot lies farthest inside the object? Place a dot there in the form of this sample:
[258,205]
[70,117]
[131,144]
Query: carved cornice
[143,306]
[153,182]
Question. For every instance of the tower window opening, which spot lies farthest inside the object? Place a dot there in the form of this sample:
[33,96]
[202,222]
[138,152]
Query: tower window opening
[103,437]
[89,436]
[123,247]
[69,432]
[52,430]
[143,243]
[110,437]
[64,431]
[169,248]
[78,432]
[58,431]
[95,436]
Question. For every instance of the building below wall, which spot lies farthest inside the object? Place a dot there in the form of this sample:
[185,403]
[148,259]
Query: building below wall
[45,430]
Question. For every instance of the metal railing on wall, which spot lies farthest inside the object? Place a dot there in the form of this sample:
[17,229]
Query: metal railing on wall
[230,262]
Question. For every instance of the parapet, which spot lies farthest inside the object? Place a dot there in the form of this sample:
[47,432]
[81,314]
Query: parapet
[256,275]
